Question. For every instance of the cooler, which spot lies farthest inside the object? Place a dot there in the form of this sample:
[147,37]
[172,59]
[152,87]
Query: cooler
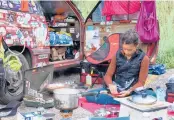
[95,71]
[170,97]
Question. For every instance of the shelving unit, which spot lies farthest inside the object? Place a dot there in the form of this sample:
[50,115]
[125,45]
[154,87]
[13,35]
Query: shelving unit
[58,25]
[62,45]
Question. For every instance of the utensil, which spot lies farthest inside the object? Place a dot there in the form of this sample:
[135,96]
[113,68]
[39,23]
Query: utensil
[51,87]
[67,98]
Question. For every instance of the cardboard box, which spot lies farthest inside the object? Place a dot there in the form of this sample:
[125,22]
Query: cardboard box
[29,116]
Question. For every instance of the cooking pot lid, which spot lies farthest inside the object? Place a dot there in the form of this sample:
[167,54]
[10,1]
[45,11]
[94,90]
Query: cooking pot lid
[66,91]
[143,99]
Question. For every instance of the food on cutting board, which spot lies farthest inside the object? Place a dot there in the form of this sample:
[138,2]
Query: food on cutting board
[116,94]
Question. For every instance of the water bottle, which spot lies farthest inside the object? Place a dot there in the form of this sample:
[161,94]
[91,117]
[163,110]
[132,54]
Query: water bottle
[88,80]
[160,93]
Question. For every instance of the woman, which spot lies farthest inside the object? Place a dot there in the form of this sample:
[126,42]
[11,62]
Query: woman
[129,65]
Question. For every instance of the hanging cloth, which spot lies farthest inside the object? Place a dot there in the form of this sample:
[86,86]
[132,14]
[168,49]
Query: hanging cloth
[147,25]
[120,8]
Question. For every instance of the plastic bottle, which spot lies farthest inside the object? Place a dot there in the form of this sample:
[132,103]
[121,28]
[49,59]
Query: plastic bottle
[160,93]
[88,80]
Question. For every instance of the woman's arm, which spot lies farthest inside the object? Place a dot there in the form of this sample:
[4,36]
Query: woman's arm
[110,72]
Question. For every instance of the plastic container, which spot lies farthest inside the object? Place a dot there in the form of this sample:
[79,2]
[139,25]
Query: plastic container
[88,80]
[49,116]
[161,93]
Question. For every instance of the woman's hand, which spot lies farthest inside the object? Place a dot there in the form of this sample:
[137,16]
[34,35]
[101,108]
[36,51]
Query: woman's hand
[124,93]
[113,88]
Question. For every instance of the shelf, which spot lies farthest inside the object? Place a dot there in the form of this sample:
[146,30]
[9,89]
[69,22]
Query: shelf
[62,24]
[60,27]
[61,45]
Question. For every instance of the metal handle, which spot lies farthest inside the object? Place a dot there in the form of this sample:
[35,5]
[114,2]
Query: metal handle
[144,95]
[81,87]
[89,94]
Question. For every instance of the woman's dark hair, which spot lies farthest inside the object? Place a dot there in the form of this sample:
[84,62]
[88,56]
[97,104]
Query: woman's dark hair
[130,37]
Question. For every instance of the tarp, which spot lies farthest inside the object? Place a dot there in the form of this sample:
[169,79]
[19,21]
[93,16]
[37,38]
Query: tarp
[85,7]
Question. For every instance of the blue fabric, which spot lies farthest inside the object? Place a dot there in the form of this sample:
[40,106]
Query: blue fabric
[97,14]
[101,98]
[157,69]
[120,118]
[54,38]
[106,99]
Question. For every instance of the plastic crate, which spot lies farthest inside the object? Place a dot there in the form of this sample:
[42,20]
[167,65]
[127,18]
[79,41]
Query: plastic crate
[92,107]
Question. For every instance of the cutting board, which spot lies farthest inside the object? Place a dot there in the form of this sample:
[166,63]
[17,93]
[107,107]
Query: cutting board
[143,108]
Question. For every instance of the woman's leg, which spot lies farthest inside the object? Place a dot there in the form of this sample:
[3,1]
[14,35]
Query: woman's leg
[101,98]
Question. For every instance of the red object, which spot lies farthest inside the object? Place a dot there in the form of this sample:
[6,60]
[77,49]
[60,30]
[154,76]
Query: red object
[147,25]
[111,116]
[94,76]
[108,18]
[120,7]
[0,38]
[24,5]
[116,94]
[170,97]
[125,21]
[92,107]
[170,113]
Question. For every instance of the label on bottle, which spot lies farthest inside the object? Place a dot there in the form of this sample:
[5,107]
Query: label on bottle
[88,80]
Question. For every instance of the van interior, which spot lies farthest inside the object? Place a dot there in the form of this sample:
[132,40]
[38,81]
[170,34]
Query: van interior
[64,30]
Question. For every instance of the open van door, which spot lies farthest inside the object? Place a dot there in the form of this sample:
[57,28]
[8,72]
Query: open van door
[96,47]
[102,38]
[82,14]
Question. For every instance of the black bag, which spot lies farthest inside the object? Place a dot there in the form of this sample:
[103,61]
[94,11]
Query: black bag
[170,84]
[2,78]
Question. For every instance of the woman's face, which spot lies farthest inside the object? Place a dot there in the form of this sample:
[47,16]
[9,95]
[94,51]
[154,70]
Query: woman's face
[129,49]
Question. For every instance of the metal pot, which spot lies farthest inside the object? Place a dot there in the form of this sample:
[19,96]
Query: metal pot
[142,98]
[67,98]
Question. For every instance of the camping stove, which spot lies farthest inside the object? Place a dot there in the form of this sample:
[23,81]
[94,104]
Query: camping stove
[66,114]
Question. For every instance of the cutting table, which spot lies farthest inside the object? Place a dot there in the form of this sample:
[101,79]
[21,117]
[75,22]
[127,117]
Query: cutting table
[142,112]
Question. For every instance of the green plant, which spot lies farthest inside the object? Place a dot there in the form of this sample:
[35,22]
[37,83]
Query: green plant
[165,14]
[166,58]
